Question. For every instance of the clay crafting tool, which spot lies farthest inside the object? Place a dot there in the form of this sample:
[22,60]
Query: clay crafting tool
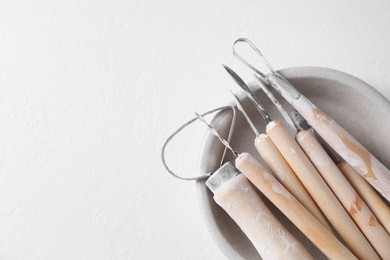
[315,185]
[349,198]
[377,205]
[287,203]
[338,138]
[234,193]
[280,167]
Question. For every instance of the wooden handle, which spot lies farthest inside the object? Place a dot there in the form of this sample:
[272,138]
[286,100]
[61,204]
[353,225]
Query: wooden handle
[349,198]
[346,146]
[271,239]
[286,176]
[320,191]
[369,195]
[292,208]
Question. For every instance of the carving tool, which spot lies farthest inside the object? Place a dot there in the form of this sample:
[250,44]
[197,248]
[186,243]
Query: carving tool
[236,195]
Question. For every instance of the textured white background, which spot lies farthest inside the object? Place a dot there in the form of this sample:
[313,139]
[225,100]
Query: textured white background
[90,89]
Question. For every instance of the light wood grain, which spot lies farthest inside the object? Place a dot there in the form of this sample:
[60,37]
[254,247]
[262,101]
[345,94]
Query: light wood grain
[285,175]
[320,192]
[292,208]
[346,146]
[271,239]
[368,193]
[349,198]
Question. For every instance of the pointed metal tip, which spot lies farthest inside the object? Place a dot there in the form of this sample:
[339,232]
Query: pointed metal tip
[238,103]
[237,100]
[242,110]
[233,93]
[240,82]
[230,71]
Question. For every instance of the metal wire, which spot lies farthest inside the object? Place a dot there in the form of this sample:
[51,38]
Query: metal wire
[206,175]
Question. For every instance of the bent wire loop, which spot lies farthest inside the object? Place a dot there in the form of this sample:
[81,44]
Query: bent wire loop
[276,80]
[206,175]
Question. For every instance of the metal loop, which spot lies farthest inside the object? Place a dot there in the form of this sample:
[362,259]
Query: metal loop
[244,61]
[206,175]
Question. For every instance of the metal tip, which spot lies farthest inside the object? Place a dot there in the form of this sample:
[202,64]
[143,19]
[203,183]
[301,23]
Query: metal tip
[239,106]
[240,82]
[276,102]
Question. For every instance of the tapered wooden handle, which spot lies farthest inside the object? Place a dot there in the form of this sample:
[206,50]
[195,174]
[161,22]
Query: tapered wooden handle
[285,175]
[346,146]
[349,198]
[320,192]
[292,208]
[271,239]
[369,195]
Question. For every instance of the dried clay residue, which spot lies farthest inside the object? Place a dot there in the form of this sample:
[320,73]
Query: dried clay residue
[354,153]
[350,144]
[382,184]
[252,160]
[356,205]
[363,154]
[373,221]
[276,186]
[243,187]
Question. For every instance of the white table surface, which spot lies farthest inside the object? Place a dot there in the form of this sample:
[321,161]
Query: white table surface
[90,89]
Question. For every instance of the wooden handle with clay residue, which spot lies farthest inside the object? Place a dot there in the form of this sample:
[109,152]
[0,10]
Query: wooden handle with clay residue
[369,195]
[292,208]
[320,192]
[351,200]
[346,146]
[286,176]
[271,239]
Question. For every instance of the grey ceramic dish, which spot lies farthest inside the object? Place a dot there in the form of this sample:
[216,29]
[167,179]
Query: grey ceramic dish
[354,104]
